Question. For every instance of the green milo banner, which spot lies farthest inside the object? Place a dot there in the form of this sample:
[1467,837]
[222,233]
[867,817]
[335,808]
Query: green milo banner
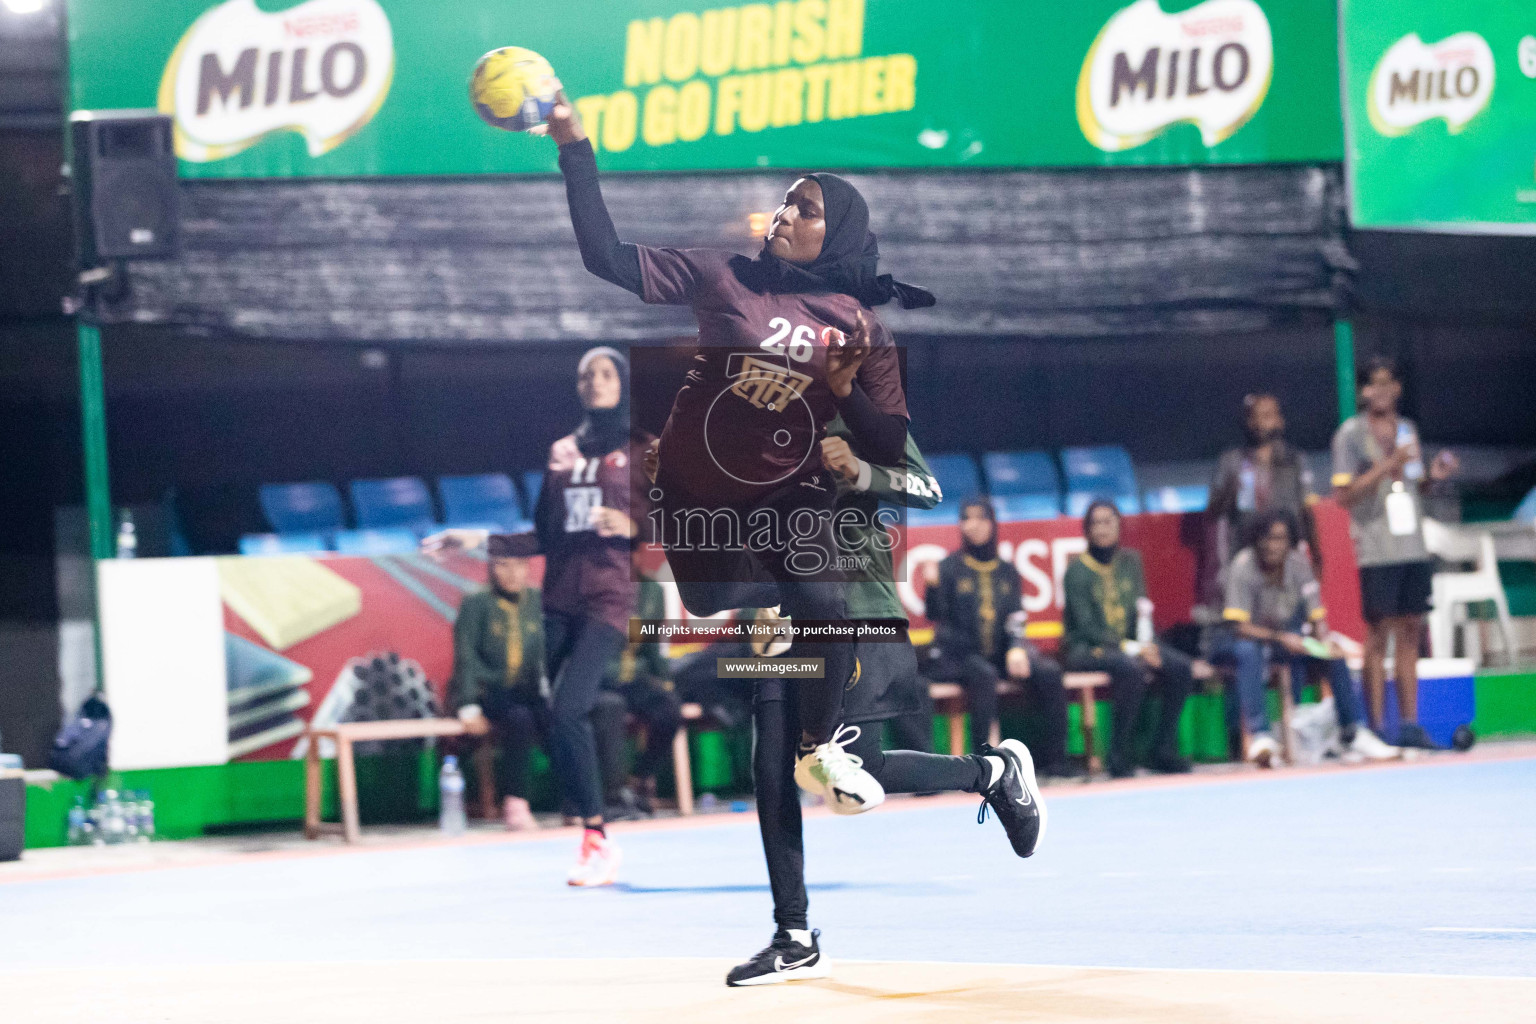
[379,87]
[1440,106]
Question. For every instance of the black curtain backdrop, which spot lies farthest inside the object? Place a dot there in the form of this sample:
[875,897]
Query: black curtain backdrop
[1108,253]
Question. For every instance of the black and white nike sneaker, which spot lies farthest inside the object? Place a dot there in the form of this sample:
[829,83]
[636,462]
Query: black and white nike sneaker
[1015,797]
[785,959]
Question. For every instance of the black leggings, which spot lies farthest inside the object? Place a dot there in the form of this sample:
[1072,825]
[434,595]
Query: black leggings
[776,714]
[804,586]
[579,650]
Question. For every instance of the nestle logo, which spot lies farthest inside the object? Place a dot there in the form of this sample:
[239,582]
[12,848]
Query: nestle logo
[322,25]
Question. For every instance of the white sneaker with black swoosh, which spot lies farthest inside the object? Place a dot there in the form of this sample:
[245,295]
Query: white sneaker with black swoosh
[786,958]
[1015,797]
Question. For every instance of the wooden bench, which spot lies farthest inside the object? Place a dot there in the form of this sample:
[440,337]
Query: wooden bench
[682,764]
[949,698]
[345,734]
[1279,676]
[348,733]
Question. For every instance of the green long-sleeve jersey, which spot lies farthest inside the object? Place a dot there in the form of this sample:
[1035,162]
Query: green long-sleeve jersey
[872,592]
[497,644]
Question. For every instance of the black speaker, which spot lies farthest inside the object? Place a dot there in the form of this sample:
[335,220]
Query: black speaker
[126,202]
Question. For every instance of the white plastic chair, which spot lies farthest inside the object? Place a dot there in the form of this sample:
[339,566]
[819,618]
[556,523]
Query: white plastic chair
[1453,589]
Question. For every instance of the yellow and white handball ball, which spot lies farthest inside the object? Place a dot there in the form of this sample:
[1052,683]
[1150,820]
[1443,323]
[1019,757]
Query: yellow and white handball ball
[513,88]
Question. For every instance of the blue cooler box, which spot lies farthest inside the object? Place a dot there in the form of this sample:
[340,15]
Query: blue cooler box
[1446,698]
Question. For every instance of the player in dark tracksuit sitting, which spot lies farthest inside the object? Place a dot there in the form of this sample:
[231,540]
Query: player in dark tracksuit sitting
[977,611]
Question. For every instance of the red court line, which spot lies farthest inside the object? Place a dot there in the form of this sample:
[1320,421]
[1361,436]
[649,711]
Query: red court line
[1495,753]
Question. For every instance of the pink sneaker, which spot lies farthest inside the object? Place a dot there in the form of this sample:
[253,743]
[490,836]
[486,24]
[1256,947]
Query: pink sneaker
[597,862]
[518,815]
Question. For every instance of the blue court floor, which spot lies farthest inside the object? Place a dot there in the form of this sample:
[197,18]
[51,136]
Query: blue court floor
[1427,868]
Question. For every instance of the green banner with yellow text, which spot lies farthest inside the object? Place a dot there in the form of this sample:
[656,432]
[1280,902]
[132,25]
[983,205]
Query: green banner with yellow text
[1440,107]
[378,87]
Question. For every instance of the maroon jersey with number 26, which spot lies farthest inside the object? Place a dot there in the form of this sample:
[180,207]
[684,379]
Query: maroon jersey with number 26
[750,416]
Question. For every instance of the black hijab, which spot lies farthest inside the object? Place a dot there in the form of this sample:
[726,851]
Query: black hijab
[1101,555]
[849,258]
[604,430]
[981,552]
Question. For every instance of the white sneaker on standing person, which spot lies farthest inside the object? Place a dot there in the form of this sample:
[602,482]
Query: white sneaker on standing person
[597,861]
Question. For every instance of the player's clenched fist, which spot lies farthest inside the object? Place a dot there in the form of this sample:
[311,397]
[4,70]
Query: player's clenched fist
[839,458]
[844,360]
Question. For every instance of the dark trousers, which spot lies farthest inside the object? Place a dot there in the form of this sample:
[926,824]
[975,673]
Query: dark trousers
[1129,680]
[979,675]
[579,650]
[800,578]
[776,716]
[517,722]
[697,679]
[657,708]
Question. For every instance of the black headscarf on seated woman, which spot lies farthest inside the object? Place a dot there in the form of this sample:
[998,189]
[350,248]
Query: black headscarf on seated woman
[849,260]
[981,552]
[1101,555]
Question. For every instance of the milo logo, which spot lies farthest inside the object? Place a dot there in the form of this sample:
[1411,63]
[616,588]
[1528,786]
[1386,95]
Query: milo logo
[1415,82]
[321,69]
[1209,66]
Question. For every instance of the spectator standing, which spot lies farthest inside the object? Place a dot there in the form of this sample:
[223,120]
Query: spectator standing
[1264,474]
[1274,610]
[1105,594]
[1380,476]
[976,607]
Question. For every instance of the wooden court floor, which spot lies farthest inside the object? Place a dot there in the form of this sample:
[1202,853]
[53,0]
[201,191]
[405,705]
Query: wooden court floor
[684,990]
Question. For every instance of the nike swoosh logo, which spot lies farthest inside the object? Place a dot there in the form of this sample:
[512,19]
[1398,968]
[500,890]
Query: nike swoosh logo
[780,965]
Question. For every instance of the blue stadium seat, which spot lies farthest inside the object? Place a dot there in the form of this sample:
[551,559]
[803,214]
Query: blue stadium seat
[394,540]
[302,508]
[945,514]
[1525,512]
[396,501]
[533,480]
[487,501]
[1184,498]
[957,476]
[1104,471]
[282,543]
[1020,508]
[1023,485]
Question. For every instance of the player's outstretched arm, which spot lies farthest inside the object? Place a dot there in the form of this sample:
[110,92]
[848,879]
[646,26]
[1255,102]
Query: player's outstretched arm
[601,251]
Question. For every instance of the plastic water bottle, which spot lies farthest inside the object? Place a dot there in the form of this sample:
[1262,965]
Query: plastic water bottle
[450,785]
[130,816]
[114,828]
[1247,489]
[146,817]
[79,823]
[1415,469]
[127,538]
[1144,632]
